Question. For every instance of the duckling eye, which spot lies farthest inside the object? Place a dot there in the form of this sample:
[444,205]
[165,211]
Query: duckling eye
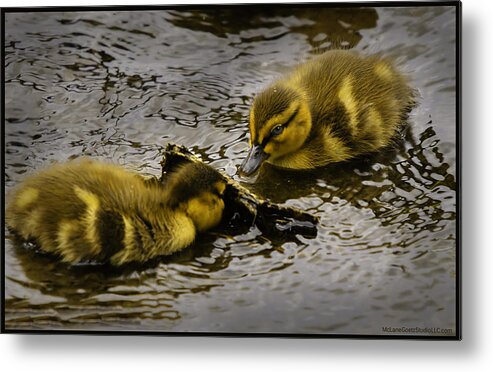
[218,193]
[277,130]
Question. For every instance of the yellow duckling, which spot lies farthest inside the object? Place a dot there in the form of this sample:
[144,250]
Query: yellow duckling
[334,107]
[87,210]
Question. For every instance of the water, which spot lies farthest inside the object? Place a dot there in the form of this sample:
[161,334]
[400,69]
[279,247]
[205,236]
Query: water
[120,85]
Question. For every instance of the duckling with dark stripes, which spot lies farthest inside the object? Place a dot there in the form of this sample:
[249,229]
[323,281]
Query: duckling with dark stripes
[337,106]
[92,211]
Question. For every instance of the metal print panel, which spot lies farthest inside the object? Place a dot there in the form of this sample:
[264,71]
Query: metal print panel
[346,113]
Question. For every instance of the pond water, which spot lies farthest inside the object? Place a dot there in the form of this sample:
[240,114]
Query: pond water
[119,85]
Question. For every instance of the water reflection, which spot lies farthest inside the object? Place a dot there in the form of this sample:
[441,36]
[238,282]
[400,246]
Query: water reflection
[324,28]
[405,182]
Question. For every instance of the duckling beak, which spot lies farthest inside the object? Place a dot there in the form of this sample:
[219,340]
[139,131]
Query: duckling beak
[255,158]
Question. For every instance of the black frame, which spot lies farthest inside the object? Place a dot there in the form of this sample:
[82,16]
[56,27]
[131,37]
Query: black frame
[456,4]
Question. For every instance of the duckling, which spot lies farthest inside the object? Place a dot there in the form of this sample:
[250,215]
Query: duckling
[93,211]
[334,107]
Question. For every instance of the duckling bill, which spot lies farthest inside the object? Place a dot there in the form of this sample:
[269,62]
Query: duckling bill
[92,211]
[337,106]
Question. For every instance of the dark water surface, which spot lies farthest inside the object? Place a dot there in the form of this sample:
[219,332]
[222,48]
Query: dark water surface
[120,85]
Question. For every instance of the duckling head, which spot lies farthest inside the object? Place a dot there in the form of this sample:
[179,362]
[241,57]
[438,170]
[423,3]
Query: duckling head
[280,122]
[197,190]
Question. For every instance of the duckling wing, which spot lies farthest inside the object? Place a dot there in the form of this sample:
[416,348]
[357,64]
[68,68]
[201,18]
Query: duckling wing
[357,103]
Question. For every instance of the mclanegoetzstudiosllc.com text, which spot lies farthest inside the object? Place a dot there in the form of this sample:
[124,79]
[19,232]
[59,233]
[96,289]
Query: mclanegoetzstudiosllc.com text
[429,330]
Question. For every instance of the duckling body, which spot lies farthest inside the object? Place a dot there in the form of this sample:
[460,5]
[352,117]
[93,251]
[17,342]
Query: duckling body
[334,107]
[87,210]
